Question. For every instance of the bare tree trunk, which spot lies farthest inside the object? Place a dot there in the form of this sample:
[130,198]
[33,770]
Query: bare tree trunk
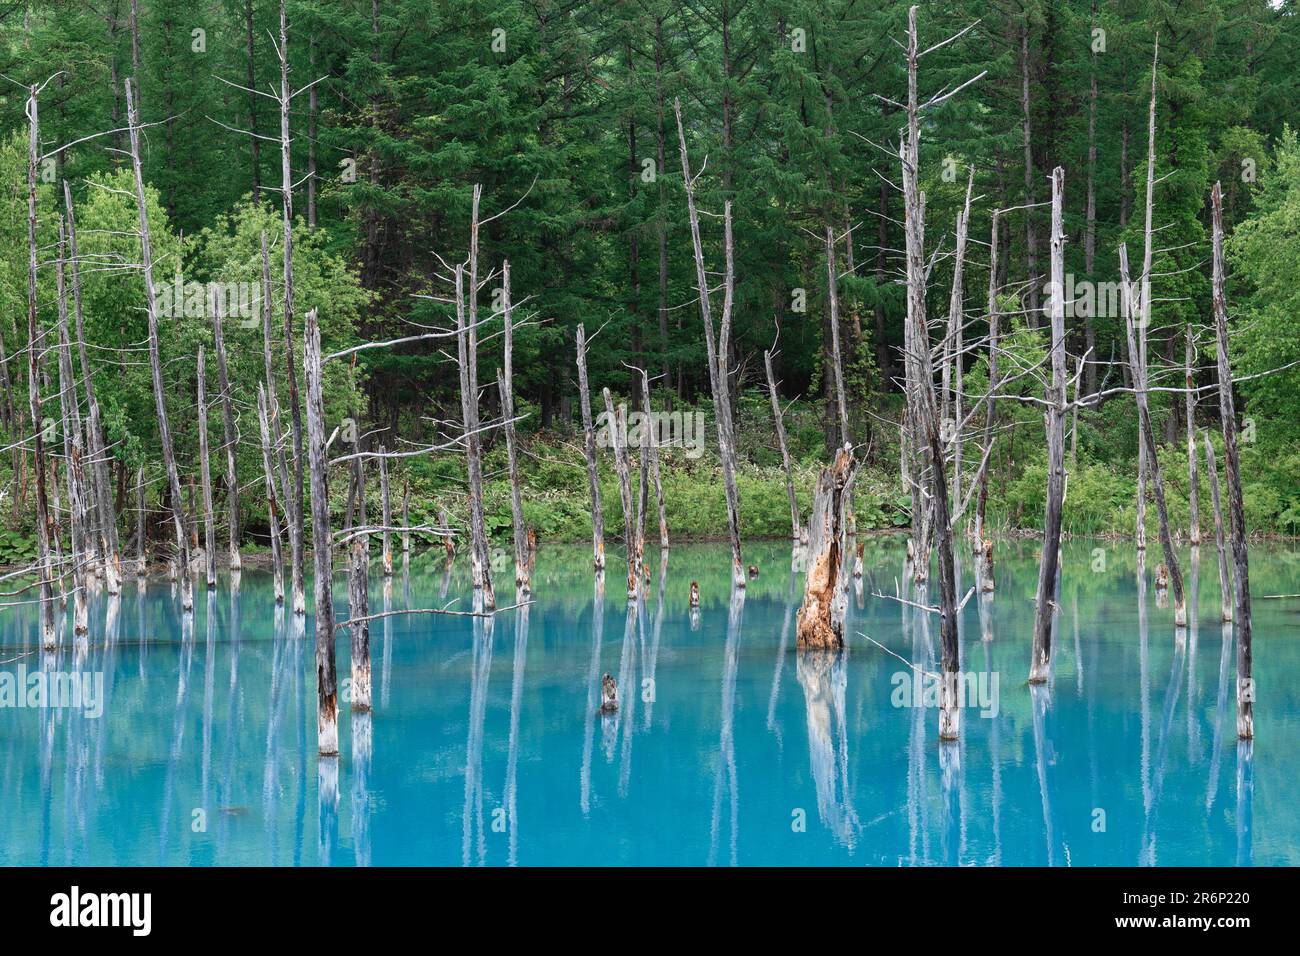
[820,622]
[44,521]
[272,506]
[72,450]
[1220,541]
[717,353]
[231,437]
[1149,442]
[837,357]
[1193,472]
[467,344]
[653,455]
[1041,664]
[254,141]
[589,446]
[359,586]
[155,359]
[926,407]
[312,108]
[990,413]
[952,350]
[141,524]
[327,730]
[205,470]
[1090,222]
[618,439]
[386,540]
[101,497]
[505,385]
[1232,464]
[1145,455]
[295,509]
[785,451]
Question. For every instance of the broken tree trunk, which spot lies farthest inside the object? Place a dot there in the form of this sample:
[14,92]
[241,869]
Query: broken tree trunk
[1041,662]
[44,520]
[820,622]
[1220,540]
[406,520]
[589,447]
[505,385]
[1232,465]
[272,507]
[141,525]
[618,439]
[231,441]
[990,411]
[205,471]
[785,451]
[1147,437]
[155,358]
[327,731]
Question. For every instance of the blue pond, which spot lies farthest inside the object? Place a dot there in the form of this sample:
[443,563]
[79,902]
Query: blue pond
[485,748]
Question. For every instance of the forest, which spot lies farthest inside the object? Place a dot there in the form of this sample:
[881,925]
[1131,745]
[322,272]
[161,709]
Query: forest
[563,114]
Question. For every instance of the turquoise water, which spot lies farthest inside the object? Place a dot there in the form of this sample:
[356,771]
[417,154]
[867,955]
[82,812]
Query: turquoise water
[485,746]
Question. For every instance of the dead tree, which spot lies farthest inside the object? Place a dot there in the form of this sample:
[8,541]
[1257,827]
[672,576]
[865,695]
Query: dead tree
[272,507]
[141,525]
[785,451]
[231,437]
[359,589]
[72,450]
[717,351]
[1193,472]
[589,447]
[505,385]
[1232,465]
[952,351]
[467,345]
[205,471]
[622,464]
[1045,605]
[44,520]
[1220,540]
[406,521]
[1141,386]
[990,410]
[386,539]
[102,486]
[820,622]
[833,299]
[155,359]
[322,548]
[921,385]
[652,452]
[1144,454]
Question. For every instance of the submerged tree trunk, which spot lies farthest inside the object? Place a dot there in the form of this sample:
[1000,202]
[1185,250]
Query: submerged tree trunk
[327,731]
[990,412]
[589,447]
[359,587]
[652,452]
[386,536]
[72,450]
[155,359]
[820,622]
[1193,472]
[1232,464]
[1045,604]
[622,464]
[467,345]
